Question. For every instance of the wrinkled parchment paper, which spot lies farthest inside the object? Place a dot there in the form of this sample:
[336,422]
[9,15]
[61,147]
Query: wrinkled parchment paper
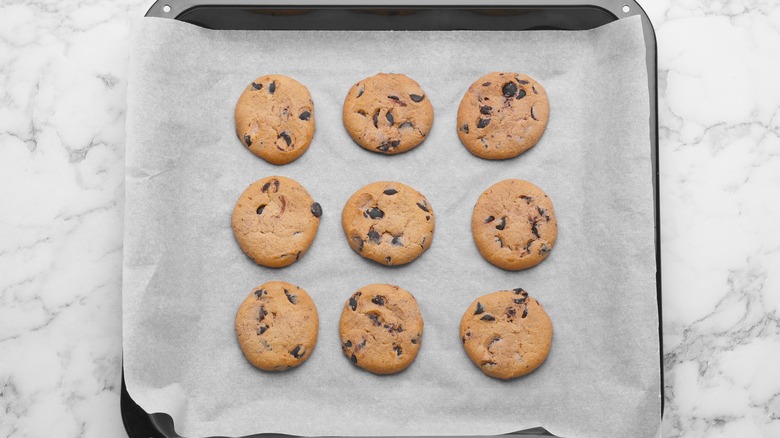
[184,275]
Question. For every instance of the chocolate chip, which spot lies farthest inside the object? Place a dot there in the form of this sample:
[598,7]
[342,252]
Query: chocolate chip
[397,241]
[416,339]
[522,82]
[489,219]
[427,218]
[488,317]
[502,225]
[480,308]
[541,211]
[290,297]
[353,359]
[359,242]
[305,115]
[509,89]
[360,92]
[262,329]
[360,345]
[519,300]
[485,109]
[374,318]
[257,86]
[284,135]
[534,88]
[405,125]
[511,312]
[375,213]
[297,352]
[525,312]
[374,236]
[260,209]
[527,199]
[520,94]
[248,140]
[463,339]
[266,186]
[499,242]
[352,303]
[376,119]
[486,84]
[397,350]
[393,97]
[482,123]
[261,314]
[390,192]
[388,260]
[386,145]
[272,87]
[390,118]
[544,249]
[316,209]
[520,291]
[416,97]
[533,115]
[379,300]
[348,344]
[535,230]
[465,128]
[423,206]
[276,185]
[260,292]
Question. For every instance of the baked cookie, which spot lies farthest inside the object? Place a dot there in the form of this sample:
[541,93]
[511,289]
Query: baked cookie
[388,222]
[506,334]
[277,326]
[275,118]
[514,224]
[387,113]
[275,221]
[381,328]
[502,115]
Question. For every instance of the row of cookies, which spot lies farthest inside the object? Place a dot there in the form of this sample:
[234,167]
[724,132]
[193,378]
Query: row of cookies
[506,333]
[500,116]
[275,221]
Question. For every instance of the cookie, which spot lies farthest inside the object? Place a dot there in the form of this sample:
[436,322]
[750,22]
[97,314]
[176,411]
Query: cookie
[275,221]
[381,328]
[514,225]
[388,222]
[277,326]
[506,334]
[502,115]
[387,113]
[275,118]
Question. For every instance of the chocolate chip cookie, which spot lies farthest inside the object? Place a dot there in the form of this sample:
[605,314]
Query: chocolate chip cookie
[381,328]
[388,222]
[275,118]
[387,113]
[502,115]
[506,334]
[277,326]
[275,221]
[514,224]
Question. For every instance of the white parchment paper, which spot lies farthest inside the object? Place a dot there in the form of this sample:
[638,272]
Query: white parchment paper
[184,275]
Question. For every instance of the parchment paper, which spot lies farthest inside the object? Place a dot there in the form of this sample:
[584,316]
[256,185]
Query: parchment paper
[184,275]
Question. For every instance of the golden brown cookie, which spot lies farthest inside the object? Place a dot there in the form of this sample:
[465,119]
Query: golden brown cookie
[506,334]
[275,118]
[388,222]
[387,113]
[275,221]
[514,224]
[502,115]
[277,326]
[381,328]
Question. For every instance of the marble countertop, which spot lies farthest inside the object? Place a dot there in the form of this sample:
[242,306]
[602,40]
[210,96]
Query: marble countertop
[63,82]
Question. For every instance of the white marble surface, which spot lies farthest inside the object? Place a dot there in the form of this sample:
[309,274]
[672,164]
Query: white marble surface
[63,74]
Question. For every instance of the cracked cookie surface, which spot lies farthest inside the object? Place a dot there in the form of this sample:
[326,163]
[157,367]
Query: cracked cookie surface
[387,113]
[275,118]
[506,334]
[381,328]
[502,115]
[275,221]
[388,222]
[276,326]
[514,224]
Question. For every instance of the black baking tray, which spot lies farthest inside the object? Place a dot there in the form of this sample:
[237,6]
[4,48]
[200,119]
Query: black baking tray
[409,15]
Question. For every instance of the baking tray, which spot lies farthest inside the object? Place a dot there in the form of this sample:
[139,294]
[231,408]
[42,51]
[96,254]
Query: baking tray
[570,15]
